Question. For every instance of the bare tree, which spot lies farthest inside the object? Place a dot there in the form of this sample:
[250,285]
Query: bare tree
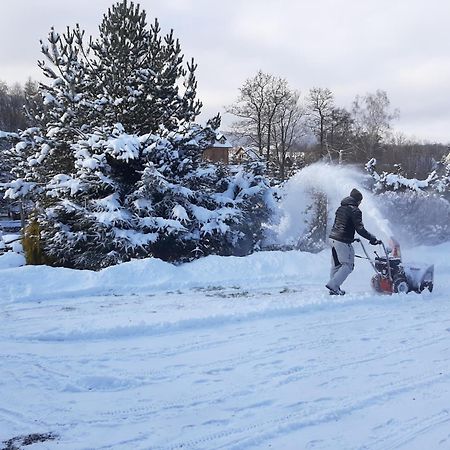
[320,104]
[339,139]
[257,107]
[250,108]
[288,129]
[278,94]
[372,119]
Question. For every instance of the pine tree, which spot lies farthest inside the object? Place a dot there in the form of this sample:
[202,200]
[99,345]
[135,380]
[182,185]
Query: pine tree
[142,92]
[115,164]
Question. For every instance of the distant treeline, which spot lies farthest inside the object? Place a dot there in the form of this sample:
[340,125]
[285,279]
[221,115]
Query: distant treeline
[416,159]
[413,159]
[280,124]
[14,100]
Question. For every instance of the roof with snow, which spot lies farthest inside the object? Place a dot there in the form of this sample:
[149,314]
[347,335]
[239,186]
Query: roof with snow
[250,153]
[221,142]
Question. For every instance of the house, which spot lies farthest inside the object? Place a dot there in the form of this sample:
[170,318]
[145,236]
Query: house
[239,155]
[218,152]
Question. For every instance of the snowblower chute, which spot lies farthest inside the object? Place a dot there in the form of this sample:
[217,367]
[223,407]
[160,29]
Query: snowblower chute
[394,276]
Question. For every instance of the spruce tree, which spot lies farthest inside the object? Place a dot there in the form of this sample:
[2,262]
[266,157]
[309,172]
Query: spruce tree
[115,164]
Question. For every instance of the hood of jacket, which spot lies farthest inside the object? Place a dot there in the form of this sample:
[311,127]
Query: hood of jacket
[349,201]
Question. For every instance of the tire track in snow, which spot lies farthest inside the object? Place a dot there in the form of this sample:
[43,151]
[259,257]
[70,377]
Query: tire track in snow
[274,348]
[219,396]
[407,434]
[257,356]
[296,421]
[319,302]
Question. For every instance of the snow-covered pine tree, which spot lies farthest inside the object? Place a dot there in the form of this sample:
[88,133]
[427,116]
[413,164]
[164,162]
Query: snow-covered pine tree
[115,165]
[441,183]
[142,92]
[417,208]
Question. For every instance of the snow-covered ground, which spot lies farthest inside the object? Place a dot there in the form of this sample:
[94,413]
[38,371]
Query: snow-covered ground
[223,353]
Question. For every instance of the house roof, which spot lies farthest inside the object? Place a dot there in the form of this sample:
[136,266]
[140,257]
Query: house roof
[250,152]
[221,142]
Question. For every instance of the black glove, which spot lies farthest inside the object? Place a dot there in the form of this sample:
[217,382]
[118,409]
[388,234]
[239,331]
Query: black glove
[374,241]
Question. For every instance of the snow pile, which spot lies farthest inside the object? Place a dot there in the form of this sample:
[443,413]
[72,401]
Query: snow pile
[13,252]
[11,259]
[153,275]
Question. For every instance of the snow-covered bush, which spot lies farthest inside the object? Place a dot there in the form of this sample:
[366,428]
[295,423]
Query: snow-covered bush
[115,166]
[387,181]
[417,217]
[441,183]
[418,209]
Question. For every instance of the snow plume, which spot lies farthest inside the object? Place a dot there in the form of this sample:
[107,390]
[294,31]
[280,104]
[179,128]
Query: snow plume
[298,209]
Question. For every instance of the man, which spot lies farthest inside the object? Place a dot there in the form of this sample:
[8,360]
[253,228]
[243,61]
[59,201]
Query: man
[348,220]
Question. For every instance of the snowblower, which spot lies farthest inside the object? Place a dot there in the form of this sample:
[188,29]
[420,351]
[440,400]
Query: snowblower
[393,276]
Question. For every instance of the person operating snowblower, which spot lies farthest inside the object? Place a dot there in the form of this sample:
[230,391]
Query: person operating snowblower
[348,220]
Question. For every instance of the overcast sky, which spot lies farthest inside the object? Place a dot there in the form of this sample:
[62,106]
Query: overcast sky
[352,47]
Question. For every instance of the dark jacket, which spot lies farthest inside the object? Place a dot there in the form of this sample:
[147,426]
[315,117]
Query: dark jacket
[348,220]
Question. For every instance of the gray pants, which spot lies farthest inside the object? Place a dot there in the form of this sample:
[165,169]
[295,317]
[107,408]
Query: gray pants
[342,263]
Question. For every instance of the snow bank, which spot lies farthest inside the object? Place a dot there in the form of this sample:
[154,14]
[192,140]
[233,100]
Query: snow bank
[11,259]
[153,275]
[150,275]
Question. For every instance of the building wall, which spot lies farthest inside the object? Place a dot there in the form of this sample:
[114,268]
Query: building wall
[216,154]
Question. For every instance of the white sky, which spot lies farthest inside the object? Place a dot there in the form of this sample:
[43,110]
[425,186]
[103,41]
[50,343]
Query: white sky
[349,46]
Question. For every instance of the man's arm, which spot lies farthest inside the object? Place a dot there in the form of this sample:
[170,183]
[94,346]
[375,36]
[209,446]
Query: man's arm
[359,226]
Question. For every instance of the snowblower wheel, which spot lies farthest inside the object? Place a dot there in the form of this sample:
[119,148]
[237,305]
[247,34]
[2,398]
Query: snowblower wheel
[400,285]
[375,281]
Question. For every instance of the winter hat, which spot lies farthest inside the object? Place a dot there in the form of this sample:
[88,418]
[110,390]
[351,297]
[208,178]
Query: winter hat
[356,195]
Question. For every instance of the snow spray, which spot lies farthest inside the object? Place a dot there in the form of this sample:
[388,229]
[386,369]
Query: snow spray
[332,182]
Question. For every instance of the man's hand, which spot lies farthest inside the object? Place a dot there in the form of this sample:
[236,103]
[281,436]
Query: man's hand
[374,241]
